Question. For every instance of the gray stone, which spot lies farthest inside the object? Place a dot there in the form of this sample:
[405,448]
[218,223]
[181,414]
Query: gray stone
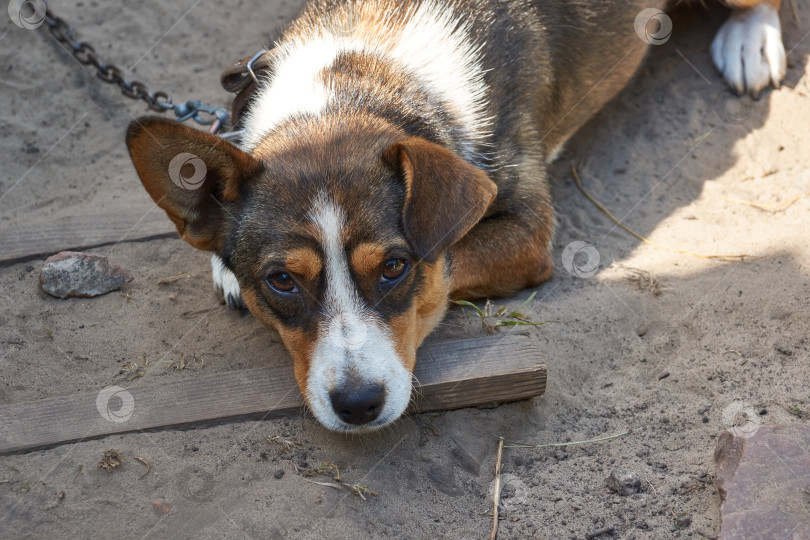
[764,482]
[623,482]
[71,273]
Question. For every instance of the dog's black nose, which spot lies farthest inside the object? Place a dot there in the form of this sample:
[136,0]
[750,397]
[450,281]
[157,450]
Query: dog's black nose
[358,406]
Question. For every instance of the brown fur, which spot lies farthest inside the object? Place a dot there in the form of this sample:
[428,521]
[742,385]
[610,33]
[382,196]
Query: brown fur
[304,262]
[198,214]
[472,216]
[297,342]
[410,329]
[444,195]
[367,258]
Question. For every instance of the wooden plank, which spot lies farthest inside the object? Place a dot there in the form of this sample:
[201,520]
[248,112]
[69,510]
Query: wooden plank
[500,368]
[82,232]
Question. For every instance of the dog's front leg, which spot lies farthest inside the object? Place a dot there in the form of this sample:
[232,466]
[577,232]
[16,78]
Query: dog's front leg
[503,254]
[225,284]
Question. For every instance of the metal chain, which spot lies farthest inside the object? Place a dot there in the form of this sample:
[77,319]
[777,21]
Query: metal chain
[85,54]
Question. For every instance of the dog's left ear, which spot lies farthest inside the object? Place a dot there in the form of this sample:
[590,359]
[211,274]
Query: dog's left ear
[444,195]
[190,174]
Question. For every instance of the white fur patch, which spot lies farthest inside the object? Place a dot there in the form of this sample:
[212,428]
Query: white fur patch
[434,45]
[748,49]
[351,340]
[225,284]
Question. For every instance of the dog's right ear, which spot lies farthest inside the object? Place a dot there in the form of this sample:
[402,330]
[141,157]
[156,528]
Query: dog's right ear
[190,174]
[444,195]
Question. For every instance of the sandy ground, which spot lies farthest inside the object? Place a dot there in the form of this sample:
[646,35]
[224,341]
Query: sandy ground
[664,156]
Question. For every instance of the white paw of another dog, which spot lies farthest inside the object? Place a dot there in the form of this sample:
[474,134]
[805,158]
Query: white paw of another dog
[748,50]
[225,284]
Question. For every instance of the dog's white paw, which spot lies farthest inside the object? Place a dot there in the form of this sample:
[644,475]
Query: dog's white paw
[748,50]
[225,284]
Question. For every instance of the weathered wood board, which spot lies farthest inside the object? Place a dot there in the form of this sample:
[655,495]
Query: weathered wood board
[82,232]
[500,368]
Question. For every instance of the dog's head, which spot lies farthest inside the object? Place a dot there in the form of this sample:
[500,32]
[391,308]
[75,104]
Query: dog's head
[337,235]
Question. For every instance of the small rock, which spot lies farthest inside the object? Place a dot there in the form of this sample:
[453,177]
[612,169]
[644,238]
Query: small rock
[663,375]
[278,474]
[74,274]
[763,477]
[623,482]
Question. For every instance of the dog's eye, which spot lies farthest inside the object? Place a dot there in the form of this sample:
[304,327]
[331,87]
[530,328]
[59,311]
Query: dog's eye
[282,282]
[393,269]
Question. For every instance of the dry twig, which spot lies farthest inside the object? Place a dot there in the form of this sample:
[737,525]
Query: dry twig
[572,443]
[172,279]
[769,207]
[145,462]
[496,498]
[286,444]
[325,469]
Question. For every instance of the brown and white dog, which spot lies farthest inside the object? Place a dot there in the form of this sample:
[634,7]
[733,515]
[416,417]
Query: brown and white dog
[394,156]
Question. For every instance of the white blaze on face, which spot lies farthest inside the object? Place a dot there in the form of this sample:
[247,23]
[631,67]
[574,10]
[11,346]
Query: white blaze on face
[351,339]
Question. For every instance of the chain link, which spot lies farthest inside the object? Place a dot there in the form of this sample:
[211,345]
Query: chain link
[159,101]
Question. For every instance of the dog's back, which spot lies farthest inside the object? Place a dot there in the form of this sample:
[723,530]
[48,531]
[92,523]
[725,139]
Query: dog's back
[462,73]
